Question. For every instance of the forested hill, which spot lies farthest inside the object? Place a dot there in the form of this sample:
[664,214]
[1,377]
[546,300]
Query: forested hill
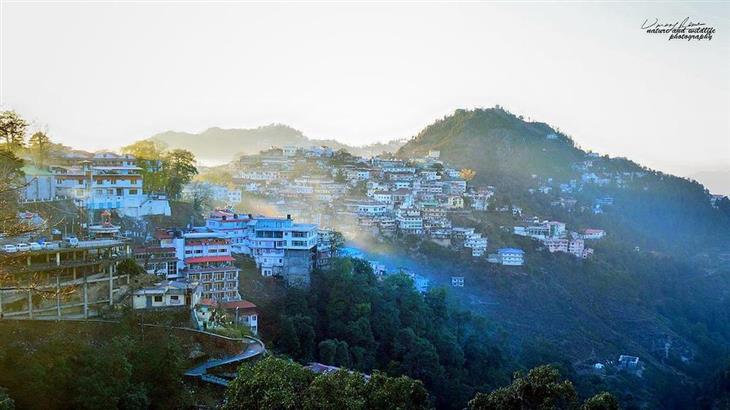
[496,143]
[661,211]
[223,145]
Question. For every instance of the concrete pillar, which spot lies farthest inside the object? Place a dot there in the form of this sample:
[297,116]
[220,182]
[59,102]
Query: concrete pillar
[1,302]
[86,298]
[30,303]
[58,258]
[111,286]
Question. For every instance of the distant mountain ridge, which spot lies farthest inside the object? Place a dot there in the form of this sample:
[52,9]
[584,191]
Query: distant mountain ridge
[224,145]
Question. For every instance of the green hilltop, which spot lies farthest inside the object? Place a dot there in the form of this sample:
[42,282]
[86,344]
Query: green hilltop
[658,210]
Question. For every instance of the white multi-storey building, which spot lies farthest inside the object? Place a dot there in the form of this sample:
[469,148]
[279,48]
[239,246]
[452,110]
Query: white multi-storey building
[476,243]
[410,221]
[510,256]
[109,181]
[259,175]
[237,228]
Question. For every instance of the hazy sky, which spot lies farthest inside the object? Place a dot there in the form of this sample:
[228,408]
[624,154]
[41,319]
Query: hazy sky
[101,75]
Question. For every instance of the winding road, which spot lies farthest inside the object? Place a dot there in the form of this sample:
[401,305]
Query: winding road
[252,347]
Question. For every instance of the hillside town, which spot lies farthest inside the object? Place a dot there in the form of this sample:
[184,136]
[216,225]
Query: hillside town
[318,198]
[282,214]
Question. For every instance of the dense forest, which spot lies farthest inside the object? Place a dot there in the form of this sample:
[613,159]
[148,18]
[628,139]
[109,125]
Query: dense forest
[349,318]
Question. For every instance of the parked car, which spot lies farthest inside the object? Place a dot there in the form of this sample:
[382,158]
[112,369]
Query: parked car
[35,246]
[71,241]
[23,247]
[10,248]
[51,245]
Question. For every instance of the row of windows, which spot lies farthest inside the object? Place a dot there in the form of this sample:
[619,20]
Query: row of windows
[206,277]
[200,251]
[269,234]
[118,192]
[229,294]
[114,181]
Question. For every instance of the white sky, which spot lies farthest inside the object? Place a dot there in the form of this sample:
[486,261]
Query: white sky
[101,75]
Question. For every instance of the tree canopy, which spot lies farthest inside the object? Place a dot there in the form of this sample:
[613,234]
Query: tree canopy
[12,130]
[541,388]
[351,319]
[276,383]
[163,170]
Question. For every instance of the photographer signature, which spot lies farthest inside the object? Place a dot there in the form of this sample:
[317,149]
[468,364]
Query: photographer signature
[656,24]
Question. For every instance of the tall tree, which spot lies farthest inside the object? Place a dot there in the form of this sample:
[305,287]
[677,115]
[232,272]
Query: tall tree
[179,165]
[12,182]
[40,147]
[12,130]
[149,155]
[271,383]
[541,388]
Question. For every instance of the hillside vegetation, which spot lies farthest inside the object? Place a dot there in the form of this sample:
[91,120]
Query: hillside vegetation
[658,211]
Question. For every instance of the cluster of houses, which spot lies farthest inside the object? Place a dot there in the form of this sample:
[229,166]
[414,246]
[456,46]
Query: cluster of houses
[198,270]
[103,180]
[384,196]
[592,171]
[556,238]
[278,246]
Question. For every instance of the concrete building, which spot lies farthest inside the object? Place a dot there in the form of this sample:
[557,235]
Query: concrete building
[168,294]
[410,221]
[40,184]
[157,261]
[282,248]
[204,257]
[109,181]
[511,256]
[238,228]
[83,270]
[593,234]
[243,313]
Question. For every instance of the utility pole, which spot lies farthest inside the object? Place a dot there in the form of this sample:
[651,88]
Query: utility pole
[58,296]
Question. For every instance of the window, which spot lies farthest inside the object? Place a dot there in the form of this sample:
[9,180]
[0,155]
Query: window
[132,192]
[158,299]
[175,297]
